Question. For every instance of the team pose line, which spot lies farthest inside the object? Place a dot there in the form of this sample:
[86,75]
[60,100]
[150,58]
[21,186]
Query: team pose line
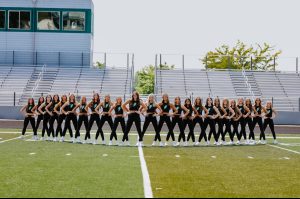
[222,117]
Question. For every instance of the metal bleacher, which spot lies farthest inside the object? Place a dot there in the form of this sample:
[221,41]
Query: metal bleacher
[34,81]
[282,88]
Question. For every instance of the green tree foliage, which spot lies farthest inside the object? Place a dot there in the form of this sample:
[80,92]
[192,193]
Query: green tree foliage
[100,65]
[239,57]
[145,78]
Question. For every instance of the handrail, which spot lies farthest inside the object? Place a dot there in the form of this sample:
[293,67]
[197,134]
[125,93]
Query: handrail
[248,84]
[39,79]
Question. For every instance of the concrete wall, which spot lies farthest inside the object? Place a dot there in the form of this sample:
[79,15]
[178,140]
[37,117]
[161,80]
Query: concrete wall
[284,118]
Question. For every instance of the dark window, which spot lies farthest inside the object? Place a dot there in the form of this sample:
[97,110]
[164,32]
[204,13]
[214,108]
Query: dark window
[2,19]
[74,21]
[19,20]
[48,20]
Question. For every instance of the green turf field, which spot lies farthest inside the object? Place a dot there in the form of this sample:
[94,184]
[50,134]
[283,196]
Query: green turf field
[45,169]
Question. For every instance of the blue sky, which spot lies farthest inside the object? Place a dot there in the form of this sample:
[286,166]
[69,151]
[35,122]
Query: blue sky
[193,27]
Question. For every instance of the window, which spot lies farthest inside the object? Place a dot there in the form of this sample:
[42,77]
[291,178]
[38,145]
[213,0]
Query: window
[19,20]
[48,21]
[2,19]
[74,21]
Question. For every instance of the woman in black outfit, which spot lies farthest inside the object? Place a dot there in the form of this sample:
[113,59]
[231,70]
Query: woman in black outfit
[188,121]
[213,113]
[69,110]
[199,113]
[119,119]
[165,115]
[135,105]
[29,118]
[61,118]
[258,119]
[105,117]
[82,119]
[178,119]
[227,121]
[150,117]
[249,121]
[53,116]
[235,121]
[219,120]
[245,113]
[94,113]
[38,113]
[270,115]
[46,117]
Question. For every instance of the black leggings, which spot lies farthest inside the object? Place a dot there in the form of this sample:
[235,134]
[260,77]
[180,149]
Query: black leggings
[94,118]
[189,122]
[133,118]
[212,125]
[70,118]
[249,121]
[38,122]
[228,130]
[83,119]
[32,122]
[235,132]
[270,122]
[46,120]
[259,121]
[166,119]
[177,120]
[151,119]
[220,123]
[199,121]
[51,124]
[104,118]
[61,119]
[243,129]
[118,120]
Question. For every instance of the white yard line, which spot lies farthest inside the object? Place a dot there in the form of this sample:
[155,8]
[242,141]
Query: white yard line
[146,178]
[284,149]
[12,139]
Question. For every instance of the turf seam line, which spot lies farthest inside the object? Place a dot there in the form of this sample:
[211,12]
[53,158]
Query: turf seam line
[284,149]
[16,138]
[146,178]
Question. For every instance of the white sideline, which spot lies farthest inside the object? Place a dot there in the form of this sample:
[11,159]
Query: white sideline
[12,139]
[284,149]
[146,178]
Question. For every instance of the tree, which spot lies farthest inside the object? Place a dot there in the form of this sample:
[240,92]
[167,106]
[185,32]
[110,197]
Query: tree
[100,65]
[241,56]
[145,78]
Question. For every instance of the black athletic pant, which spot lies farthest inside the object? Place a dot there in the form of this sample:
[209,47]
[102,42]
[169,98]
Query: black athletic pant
[61,119]
[199,121]
[212,125]
[249,121]
[166,119]
[133,118]
[235,132]
[46,120]
[94,118]
[243,129]
[270,122]
[70,118]
[104,118]
[220,123]
[228,130]
[30,120]
[177,120]
[118,120]
[51,124]
[38,122]
[151,119]
[83,119]
[189,122]
[259,121]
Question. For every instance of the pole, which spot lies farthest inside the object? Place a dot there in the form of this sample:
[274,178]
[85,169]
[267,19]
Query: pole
[155,82]
[128,60]
[105,60]
[13,57]
[59,59]
[297,64]
[183,62]
[14,98]
[251,63]
[160,60]
[274,63]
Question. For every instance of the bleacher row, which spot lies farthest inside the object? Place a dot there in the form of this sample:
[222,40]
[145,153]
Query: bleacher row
[35,81]
[282,88]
